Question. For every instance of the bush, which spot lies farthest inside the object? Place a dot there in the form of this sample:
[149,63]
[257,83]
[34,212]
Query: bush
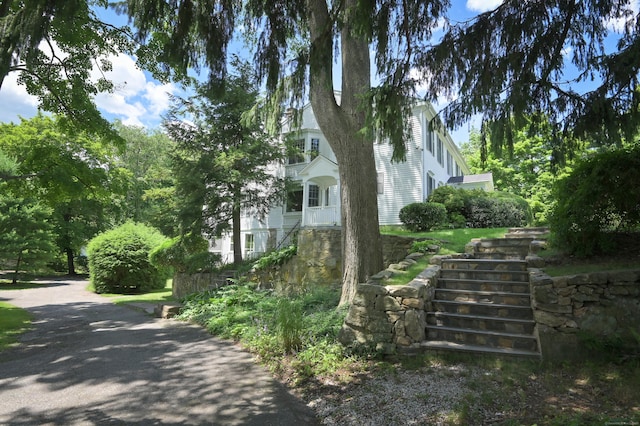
[599,199]
[188,253]
[476,208]
[119,260]
[420,217]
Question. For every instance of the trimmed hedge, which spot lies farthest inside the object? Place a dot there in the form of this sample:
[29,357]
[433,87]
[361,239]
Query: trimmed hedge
[188,253]
[119,260]
[420,217]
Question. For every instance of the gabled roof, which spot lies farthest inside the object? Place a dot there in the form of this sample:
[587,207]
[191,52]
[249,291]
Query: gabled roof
[483,177]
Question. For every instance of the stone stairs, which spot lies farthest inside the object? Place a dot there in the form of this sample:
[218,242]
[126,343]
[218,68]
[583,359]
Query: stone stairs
[483,304]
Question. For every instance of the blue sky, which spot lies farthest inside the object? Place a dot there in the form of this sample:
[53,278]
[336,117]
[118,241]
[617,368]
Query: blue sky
[140,100]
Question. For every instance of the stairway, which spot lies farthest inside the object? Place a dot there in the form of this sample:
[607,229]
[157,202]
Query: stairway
[483,305]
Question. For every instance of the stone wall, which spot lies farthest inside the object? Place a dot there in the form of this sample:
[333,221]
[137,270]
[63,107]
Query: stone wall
[185,284]
[389,318]
[318,262]
[570,309]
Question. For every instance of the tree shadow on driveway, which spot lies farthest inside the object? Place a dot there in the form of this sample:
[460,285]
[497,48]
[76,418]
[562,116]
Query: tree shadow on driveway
[99,363]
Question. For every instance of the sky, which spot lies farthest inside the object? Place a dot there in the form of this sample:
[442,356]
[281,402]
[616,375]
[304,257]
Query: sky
[140,100]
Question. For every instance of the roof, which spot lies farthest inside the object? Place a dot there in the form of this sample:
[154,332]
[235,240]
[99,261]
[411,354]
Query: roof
[484,177]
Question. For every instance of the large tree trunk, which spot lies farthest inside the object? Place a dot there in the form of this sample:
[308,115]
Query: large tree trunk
[342,125]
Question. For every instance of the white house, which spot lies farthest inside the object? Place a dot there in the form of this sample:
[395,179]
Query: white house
[432,159]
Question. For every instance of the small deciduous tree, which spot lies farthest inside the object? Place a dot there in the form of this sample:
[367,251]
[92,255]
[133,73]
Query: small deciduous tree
[27,239]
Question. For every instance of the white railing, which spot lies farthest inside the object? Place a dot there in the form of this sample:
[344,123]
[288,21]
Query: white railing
[329,215]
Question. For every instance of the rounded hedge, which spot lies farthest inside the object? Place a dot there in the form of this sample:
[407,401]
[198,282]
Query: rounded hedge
[119,260]
[420,217]
[598,202]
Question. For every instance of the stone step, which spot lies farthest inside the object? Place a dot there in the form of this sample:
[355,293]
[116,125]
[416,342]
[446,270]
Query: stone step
[484,264]
[483,309]
[493,297]
[483,285]
[537,233]
[482,275]
[434,345]
[507,325]
[492,339]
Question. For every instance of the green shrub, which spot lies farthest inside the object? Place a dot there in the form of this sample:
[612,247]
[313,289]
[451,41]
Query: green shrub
[275,258]
[476,208]
[599,199]
[420,217]
[188,253]
[119,260]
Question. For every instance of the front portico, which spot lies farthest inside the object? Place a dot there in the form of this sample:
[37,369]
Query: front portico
[321,193]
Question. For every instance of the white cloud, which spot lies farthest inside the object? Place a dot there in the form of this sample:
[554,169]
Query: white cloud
[158,96]
[15,101]
[482,5]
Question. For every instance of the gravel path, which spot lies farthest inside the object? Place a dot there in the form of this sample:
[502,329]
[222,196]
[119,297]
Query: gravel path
[89,362]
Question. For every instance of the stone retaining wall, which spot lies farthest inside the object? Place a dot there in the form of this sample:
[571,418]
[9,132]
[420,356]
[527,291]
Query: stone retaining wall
[392,318]
[318,262]
[571,309]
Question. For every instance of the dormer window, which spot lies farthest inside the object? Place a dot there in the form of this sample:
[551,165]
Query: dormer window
[297,155]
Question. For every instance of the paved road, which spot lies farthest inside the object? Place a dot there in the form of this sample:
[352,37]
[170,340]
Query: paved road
[90,362]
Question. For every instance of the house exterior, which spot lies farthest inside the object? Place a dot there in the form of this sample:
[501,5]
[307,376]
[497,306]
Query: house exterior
[482,181]
[432,158]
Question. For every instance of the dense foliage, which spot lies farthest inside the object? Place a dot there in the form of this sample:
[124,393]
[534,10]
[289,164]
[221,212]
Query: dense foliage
[119,260]
[275,258]
[188,253]
[420,217]
[599,199]
[272,326]
[479,209]
[529,169]
[27,240]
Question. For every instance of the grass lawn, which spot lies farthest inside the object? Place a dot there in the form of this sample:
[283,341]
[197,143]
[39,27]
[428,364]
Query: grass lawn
[452,240]
[154,296]
[13,322]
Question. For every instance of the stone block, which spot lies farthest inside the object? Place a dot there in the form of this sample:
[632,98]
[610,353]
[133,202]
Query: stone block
[415,324]
[578,279]
[388,303]
[167,310]
[413,303]
[560,282]
[402,291]
[549,319]
[544,294]
[554,308]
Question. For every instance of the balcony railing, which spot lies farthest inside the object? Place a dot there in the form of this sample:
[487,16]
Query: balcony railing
[328,216]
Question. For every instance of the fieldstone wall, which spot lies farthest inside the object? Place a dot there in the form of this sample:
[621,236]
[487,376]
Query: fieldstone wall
[389,318]
[600,305]
[318,262]
[185,284]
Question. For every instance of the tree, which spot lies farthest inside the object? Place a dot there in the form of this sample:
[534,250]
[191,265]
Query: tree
[223,161]
[54,46]
[526,169]
[26,234]
[506,63]
[546,59]
[150,197]
[295,47]
[70,173]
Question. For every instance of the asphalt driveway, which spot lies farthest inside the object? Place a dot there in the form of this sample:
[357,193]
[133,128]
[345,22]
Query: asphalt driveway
[90,362]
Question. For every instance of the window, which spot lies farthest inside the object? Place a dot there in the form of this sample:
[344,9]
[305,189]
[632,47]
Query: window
[457,169]
[430,136]
[294,201]
[449,164]
[297,152]
[326,197]
[314,196]
[380,183]
[315,148]
[440,149]
[249,244]
[431,184]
